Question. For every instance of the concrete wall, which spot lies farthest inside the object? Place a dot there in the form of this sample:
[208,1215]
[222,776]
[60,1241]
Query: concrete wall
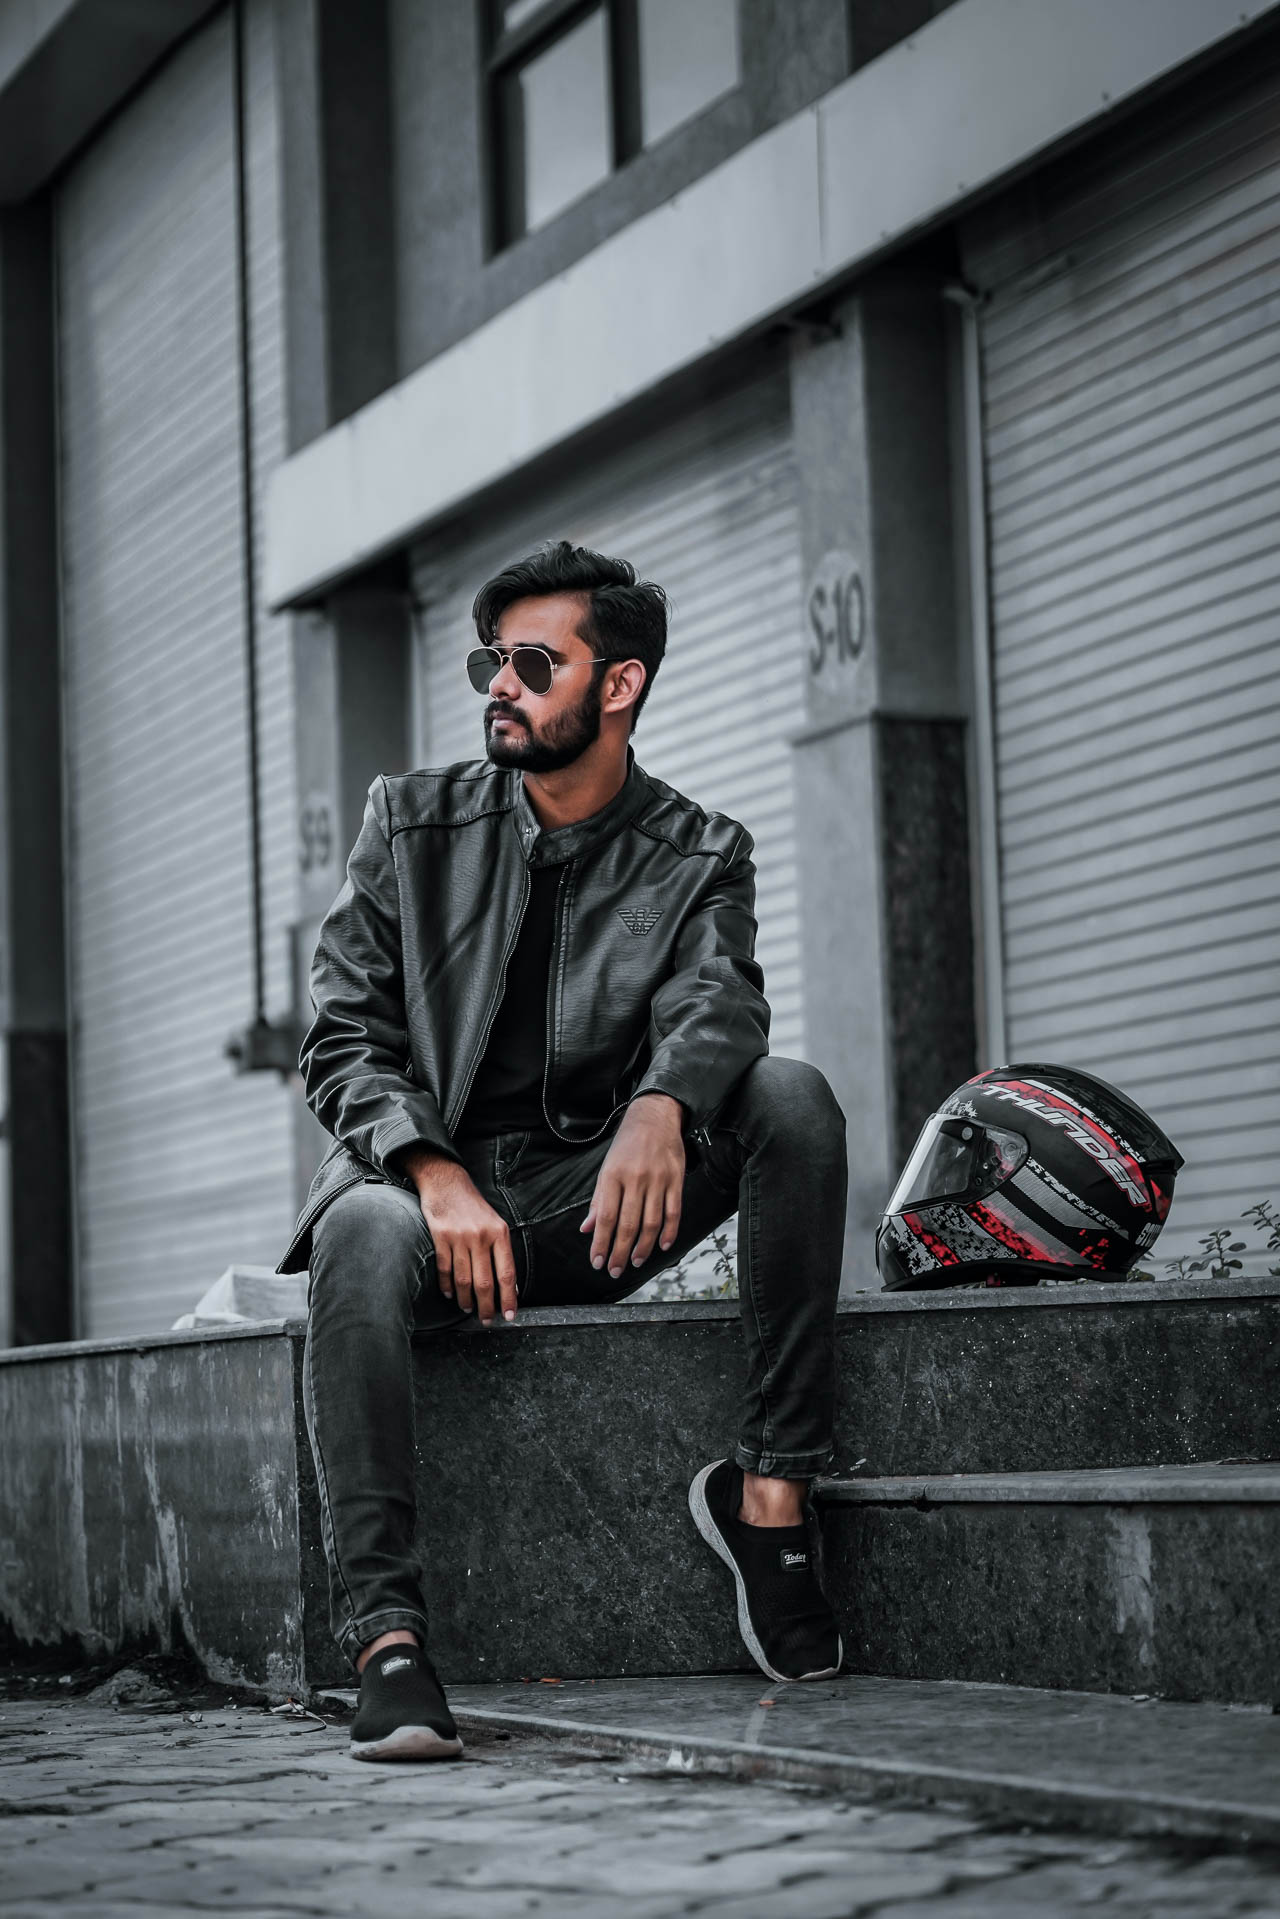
[449,280]
[786,220]
[148,1500]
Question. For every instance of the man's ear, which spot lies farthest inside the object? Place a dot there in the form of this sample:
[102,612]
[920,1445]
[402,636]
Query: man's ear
[629,679]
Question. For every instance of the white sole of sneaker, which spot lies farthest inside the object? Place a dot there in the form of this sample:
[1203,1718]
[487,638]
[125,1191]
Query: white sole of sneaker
[703,1520]
[407,1742]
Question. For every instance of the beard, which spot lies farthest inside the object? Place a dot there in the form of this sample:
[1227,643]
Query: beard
[563,740]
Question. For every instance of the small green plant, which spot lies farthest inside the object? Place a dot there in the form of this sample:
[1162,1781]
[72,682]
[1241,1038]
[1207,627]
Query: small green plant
[1218,1249]
[678,1281]
[1267,1221]
[725,1268]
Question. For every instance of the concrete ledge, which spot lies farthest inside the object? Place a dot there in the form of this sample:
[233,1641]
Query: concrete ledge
[1208,1485]
[160,1491]
[148,1498]
[1075,1293]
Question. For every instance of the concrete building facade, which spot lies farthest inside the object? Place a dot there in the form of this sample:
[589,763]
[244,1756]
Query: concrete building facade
[920,350]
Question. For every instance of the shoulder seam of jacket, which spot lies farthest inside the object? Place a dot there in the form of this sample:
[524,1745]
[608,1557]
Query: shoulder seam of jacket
[687,852]
[469,819]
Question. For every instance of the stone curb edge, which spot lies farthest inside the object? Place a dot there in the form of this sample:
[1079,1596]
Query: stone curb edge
[999,1795]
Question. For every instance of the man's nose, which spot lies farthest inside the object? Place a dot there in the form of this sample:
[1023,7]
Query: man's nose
[506,682]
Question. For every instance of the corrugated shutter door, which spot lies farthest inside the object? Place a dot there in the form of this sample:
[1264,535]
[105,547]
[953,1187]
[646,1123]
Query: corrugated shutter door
[708,509]
[1132,420]
[182,1167]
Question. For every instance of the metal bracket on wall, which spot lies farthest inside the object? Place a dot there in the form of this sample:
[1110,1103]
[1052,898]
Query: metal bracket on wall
[267,1046]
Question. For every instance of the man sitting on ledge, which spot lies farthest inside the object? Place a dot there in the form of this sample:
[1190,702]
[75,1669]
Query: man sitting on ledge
[540,1045]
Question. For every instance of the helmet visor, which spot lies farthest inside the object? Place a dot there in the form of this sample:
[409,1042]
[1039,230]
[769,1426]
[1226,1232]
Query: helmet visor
[957,1159]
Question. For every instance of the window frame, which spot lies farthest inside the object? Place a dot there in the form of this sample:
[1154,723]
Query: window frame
[503,53]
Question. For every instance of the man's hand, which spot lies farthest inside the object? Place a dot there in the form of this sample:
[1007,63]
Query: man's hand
[640,1186]
[474,1260]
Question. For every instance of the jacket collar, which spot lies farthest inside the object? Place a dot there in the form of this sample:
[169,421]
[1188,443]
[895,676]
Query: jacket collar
[553,846]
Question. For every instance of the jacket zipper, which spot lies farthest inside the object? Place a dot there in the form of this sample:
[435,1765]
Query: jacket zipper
[494,1004]
[553,985]
[553,981]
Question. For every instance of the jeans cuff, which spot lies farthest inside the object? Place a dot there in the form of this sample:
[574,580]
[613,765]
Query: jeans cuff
[784,1465]
[362,1632]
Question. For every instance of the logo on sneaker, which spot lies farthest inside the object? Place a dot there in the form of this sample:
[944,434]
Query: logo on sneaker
[394,1665]
[793,1562]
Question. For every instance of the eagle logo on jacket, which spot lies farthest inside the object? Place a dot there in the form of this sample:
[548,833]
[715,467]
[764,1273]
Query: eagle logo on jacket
[639,919]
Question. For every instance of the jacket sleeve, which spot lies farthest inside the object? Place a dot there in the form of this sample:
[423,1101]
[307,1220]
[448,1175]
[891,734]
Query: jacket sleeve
[709,1019]
[355,1057]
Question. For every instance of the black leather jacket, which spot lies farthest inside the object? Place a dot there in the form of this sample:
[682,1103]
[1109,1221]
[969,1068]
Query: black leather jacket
[653,983]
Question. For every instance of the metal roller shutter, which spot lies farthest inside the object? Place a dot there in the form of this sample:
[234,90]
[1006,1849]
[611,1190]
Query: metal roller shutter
[706,507]
[181,1167]
[1132,441]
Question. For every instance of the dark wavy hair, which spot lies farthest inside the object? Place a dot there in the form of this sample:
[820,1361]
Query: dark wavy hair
[626,617]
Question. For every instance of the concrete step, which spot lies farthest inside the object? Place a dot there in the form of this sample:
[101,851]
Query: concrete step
[1017,1754]
[570,1551]
[1058,1377]
[160,1491]
[1156,1580]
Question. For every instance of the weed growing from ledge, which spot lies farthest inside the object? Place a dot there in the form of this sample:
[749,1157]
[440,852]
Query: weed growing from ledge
[682,1281]
[1217,1259]
[1267,1221]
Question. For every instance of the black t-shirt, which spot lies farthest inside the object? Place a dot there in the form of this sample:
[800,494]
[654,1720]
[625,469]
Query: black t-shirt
[506,1093]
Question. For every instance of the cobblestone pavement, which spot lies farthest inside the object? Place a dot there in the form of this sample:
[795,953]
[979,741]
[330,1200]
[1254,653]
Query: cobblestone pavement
[174,1806]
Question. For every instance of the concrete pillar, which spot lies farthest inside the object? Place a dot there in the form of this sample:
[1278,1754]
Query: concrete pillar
[33,1013]
[880,768]
[339,249]
[351,656]
[351,666]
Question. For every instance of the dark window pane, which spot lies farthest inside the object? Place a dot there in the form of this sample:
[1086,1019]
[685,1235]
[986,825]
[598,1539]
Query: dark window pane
[688,57]
[564,111]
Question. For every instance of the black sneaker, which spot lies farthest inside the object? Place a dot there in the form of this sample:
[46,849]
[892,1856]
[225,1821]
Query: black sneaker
[783,1616]
[402,1712]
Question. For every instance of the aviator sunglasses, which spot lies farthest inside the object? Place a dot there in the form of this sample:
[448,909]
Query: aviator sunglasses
[534,667]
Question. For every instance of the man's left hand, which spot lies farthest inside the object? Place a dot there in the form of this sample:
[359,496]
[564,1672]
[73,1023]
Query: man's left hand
[640,1186]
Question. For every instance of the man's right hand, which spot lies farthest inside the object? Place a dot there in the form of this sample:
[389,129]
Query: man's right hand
[474,1261]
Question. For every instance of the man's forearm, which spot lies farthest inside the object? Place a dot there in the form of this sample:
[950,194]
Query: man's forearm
[420,1163]
[658,1105]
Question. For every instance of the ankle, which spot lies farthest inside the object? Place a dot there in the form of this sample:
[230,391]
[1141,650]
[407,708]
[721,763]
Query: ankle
[400,1637]
[772,1502]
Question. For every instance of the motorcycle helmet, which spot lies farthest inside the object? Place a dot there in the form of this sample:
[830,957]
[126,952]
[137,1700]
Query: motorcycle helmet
[1028,1173]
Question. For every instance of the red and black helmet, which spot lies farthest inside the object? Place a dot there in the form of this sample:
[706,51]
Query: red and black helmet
[1028,1173]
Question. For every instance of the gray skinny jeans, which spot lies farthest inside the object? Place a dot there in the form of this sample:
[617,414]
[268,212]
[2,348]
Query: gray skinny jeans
[777,1157]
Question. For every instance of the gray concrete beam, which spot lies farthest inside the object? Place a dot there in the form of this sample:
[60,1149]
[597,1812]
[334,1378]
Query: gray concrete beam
[785,221]
[64,66]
